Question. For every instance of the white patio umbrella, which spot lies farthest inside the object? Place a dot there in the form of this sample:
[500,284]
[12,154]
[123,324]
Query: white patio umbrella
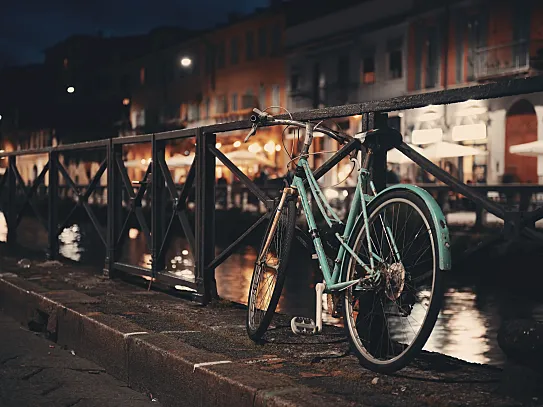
[394,156]
[444,149]
[180,160]
[135,164]
[246,157]
[533,149]
[237,157]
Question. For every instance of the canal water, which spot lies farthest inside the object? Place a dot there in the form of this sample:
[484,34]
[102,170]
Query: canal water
[466,328]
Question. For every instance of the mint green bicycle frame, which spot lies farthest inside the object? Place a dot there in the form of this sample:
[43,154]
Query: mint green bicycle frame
[335,279]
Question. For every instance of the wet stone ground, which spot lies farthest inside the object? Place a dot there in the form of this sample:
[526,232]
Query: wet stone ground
[36,373]
[322,362]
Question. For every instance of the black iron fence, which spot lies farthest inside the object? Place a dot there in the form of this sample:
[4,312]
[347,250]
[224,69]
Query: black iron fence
[161,190]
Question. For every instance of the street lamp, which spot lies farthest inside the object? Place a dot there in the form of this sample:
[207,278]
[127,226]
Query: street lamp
[0,117]
[186,62]
[70,89]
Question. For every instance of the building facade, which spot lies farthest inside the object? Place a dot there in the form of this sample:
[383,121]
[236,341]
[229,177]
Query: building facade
[217,76]
[484,42]
[375,50]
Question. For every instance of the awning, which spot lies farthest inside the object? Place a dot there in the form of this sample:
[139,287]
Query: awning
[444,149]
[180,160]
[533,149]
[239,157]
[136,164]
[246,157]
[396,157]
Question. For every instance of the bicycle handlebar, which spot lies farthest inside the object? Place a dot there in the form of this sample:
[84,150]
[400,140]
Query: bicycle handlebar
[263,117]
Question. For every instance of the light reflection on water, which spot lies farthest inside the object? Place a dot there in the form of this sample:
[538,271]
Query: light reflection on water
[70,243]
[466,328]
[3,228]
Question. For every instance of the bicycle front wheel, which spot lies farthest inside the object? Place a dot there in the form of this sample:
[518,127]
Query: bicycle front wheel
[389,320]
[270,270]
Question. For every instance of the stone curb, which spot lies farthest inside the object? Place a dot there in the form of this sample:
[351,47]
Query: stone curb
[175,373]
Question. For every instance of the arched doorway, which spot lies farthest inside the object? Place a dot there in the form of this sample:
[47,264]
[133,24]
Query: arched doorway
[520,128]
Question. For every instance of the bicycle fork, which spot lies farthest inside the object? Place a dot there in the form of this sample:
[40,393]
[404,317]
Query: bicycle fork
[286,193]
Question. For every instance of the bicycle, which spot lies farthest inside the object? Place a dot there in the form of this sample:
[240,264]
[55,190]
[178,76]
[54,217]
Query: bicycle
[374,275]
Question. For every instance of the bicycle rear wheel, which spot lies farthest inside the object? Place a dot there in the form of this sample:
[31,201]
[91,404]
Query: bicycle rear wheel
[270,271]
[389,321]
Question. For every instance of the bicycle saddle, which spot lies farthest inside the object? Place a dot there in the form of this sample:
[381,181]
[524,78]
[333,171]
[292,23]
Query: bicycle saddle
[383,139]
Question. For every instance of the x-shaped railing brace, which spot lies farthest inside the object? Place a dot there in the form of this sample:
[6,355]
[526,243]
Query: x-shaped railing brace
[261,195]
[81,199]
[179,205]
[29,193]
[135,201]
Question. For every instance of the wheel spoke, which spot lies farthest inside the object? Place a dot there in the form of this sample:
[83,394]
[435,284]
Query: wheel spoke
[389,326]
[267,276]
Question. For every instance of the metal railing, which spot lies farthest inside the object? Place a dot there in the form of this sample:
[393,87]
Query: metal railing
[158,183]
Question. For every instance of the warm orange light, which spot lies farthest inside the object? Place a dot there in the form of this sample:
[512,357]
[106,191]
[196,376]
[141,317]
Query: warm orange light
[126,101]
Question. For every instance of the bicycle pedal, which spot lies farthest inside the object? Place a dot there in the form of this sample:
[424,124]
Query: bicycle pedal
[303,326]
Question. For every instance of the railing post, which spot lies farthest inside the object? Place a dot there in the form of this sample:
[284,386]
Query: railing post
[157,207]
[379,159]
[11,218]
[205,215]
[114,207]
[52,192]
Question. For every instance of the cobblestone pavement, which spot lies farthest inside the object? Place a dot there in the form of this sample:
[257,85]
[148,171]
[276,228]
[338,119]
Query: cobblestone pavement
[36,372]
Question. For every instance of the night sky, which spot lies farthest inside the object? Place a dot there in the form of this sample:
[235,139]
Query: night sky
[27,27]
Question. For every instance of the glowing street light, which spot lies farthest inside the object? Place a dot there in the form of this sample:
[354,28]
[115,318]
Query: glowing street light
[126,101]
[186,62]
[70,89]
[0,117]
[237,144]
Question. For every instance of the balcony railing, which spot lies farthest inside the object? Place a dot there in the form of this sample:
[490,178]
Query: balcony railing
[507,59]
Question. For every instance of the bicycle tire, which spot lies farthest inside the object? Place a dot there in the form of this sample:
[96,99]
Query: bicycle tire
[407,354]
[256,329]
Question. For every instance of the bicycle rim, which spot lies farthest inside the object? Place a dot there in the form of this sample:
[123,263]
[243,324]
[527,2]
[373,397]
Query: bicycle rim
[269,274]
[390,321]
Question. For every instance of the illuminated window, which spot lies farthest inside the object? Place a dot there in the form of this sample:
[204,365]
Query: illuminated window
[142,75]
[368,70]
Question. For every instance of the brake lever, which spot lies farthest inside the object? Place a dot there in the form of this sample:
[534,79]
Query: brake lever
[251,133]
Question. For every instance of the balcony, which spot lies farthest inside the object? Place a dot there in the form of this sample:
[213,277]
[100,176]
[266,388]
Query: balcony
[504,60]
